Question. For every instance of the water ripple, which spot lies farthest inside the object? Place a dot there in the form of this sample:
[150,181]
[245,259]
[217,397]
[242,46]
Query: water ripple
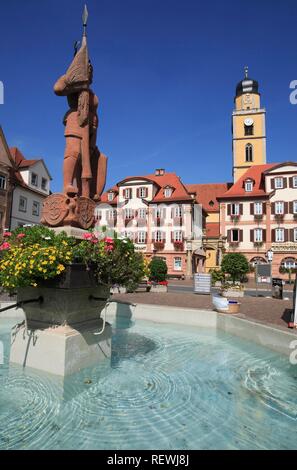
[167,387]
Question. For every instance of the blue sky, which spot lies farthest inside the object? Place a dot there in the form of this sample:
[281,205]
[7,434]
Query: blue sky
[165,72]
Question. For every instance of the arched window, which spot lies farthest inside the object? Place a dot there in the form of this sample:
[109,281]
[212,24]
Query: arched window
[249,153]
[289,263]
[257,260]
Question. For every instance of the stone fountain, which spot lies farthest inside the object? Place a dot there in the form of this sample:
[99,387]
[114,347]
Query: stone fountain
[64,330]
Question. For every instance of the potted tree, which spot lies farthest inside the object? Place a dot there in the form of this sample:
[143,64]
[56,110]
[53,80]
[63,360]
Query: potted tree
[157,277]
[236,265]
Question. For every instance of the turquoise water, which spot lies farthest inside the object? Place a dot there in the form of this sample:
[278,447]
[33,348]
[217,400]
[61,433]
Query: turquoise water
[168,387]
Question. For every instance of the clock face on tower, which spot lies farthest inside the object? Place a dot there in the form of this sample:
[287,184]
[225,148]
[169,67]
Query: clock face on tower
[248,122]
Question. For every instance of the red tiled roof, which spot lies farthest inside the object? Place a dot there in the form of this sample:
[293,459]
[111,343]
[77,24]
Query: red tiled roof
[26,163]
[22,162]
[212,229]
[17,155]
[256,174]
[179,193]
[207,193]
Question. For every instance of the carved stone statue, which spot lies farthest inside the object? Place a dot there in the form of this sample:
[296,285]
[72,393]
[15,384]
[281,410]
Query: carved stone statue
[84,171]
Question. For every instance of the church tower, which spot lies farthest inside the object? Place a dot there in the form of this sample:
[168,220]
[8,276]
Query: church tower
[248,127]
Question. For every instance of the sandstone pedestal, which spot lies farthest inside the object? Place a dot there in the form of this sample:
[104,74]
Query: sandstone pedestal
[61,332]
[61,350]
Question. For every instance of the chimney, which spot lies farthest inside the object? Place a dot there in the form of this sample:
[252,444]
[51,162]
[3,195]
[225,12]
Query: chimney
[159,172]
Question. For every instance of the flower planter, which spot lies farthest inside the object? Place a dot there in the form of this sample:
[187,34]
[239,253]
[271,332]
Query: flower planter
[179,246]
[63,332]
[232,293]
[70,299]
[159,245]
[159,288]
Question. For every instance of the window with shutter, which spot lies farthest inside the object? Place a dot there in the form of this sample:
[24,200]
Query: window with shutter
[279,235]
[258,235]
[236,209]
[278,183]
[235,235]
[142,193]
[279,208]
[294,182]
[141,237]
[258,208]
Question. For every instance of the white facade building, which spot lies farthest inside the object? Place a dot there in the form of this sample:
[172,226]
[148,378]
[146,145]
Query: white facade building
[32,186]
[161,217]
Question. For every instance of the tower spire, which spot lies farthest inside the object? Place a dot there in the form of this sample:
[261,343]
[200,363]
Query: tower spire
[246,71]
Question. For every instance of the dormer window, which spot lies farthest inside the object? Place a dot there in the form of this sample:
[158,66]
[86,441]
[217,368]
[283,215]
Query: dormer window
[211,203]
[279,183]
[110,196]
[44,184]
[142,193]
[127,193]
[34,179]
[168,192]
[248,186]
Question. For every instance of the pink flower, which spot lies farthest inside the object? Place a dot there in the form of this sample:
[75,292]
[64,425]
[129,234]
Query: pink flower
[94,240]
[5,246]
[7,234]
[109,240]
[88,236]
[21,235]
[108,247]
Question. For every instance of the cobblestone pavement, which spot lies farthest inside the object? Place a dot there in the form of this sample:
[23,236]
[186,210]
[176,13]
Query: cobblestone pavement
[268,311]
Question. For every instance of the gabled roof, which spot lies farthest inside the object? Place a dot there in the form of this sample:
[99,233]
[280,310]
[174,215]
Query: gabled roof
[255,173]
[280,165]
[179,192]
[22,163]
[206,194]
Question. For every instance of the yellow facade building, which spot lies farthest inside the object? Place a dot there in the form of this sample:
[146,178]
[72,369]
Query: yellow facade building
[248,128]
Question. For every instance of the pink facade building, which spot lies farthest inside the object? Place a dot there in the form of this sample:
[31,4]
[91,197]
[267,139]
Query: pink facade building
[259,213]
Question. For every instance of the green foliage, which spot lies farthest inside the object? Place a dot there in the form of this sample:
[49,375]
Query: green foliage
[34,253]
[158,270]
[236,265]
[216,276]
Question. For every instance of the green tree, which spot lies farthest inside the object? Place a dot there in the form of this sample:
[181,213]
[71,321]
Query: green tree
[236,265]
[158,270]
